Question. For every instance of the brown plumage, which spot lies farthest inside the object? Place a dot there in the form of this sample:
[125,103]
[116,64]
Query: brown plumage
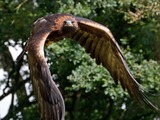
[97,41]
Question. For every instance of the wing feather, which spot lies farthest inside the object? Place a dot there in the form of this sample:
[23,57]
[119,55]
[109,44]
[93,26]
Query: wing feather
[88,43]
[77,35]
[92,51]
[50,101]
[105,50]
[97,51]
[83,38]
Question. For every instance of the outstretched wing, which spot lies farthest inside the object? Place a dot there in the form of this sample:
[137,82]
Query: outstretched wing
[96,39]
[49,98]
[100,43]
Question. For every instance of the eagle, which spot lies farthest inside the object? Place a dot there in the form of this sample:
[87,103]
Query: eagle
[98,42]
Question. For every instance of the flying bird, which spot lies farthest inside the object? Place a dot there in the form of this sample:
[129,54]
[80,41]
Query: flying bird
[97,40]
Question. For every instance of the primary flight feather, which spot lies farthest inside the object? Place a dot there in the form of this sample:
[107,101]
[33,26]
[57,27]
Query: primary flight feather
[97,40]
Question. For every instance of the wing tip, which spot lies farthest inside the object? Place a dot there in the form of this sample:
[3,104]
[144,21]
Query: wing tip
[145,98]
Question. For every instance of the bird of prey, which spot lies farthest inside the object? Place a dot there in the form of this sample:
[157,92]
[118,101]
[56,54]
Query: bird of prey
[97,40]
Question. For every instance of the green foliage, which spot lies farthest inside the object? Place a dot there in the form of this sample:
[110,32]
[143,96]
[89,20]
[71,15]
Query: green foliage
[31,112]
[88,89]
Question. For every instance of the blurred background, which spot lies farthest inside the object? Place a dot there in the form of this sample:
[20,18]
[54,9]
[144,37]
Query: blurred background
[88,89]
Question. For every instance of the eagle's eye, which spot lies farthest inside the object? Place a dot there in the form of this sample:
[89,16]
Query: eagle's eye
[68,23]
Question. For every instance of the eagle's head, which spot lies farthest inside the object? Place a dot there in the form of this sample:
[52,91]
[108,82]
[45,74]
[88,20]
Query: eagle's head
[69,26]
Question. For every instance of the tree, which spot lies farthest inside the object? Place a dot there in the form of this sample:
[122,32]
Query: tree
[88,89]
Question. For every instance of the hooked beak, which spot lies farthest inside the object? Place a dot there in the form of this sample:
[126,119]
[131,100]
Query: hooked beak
[68,23]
